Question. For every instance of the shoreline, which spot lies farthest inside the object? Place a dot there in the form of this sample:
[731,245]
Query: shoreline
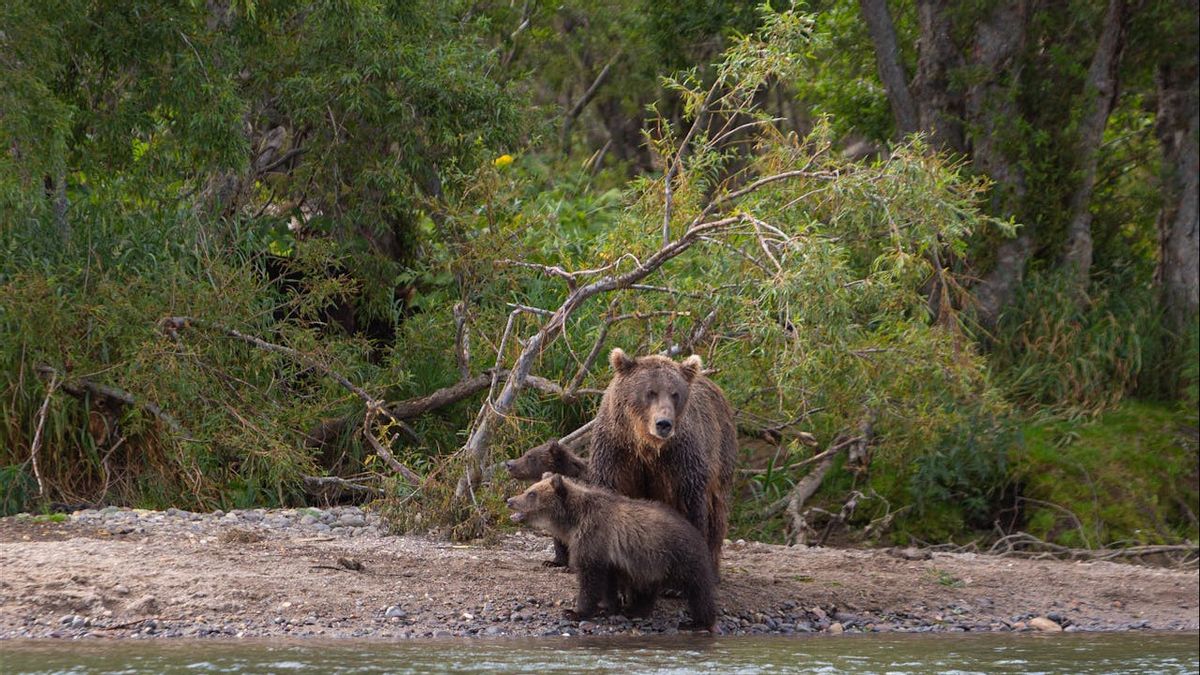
[291,573]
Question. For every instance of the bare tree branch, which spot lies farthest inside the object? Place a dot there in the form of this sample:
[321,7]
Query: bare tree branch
[585,99]
[37,434]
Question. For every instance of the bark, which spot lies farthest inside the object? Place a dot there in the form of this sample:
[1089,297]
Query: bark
[991,107]
[891,69]
[996,288]
[939,107]
[1176,128]
[1100,96]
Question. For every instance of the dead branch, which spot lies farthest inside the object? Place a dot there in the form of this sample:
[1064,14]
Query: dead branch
[585,99]
[808,485]
[385,454]
[79,387]
[1070,513]
[37,434]
[573,439]
[1025,545]
[323,485]
[843,516]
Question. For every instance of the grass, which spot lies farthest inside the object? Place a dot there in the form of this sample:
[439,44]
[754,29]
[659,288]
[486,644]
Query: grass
[1129,476]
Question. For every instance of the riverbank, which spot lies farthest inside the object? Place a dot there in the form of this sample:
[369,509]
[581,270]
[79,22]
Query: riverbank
[335,573]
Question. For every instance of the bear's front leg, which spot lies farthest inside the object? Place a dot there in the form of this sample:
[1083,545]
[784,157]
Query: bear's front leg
[562,557]
[593,587]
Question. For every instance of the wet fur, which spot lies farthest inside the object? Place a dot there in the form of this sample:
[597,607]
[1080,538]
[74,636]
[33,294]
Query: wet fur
[633,546]
[692,470]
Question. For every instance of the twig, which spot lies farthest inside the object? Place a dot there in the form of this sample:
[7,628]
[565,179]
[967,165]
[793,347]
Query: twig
[37,434]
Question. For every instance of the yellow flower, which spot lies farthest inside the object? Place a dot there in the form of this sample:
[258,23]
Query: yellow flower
[503,161]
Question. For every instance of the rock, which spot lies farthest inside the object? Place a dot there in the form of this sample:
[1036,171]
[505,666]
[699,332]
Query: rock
[120,589]
[351,520]
[836,629]
[818,613]
[1045,624]
[394,612]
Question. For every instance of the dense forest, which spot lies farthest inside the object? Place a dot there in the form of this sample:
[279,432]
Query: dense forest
[941,256]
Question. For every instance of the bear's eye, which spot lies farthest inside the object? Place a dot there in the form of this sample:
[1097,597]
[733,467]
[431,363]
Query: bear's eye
[675,396]
[652,395]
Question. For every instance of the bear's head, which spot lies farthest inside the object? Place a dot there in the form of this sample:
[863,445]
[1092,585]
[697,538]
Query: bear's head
[551,456]
[543,505]
[653,391]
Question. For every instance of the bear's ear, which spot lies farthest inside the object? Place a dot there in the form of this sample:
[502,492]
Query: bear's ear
[547,474]
[692,366]
[560,488]
[556,448]
[620,361]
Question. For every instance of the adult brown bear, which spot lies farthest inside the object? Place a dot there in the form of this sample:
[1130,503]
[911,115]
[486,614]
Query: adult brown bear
[666,432]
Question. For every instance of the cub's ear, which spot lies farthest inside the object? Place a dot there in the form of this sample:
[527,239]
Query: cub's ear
[560,488]
[692,366]
[547,474]
[620,361]
[556,448]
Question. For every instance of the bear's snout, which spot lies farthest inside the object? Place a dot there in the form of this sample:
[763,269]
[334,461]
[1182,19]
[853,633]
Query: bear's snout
[663,428]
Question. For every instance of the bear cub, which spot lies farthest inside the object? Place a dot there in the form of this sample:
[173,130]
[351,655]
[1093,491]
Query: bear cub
[625,545]
[552,457]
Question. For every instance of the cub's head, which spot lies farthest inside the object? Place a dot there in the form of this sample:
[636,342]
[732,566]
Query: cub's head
[543,505]
[551,456]
[653,390]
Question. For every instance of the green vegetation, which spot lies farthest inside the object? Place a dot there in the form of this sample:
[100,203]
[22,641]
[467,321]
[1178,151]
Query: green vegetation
[1131,476]
[241,242]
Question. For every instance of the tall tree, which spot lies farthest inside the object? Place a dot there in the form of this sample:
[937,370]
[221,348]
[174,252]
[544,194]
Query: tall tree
[1099,98]
[1176,127]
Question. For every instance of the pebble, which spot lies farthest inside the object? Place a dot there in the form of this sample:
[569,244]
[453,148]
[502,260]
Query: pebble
[394,612]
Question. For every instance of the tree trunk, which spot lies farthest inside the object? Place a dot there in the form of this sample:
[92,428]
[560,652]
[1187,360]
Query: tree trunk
[891,69]
[939,106]
[1176,128]
[991,108]
[1100,96]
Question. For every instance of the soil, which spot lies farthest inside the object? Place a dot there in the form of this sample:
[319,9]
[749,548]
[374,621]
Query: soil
[120,573]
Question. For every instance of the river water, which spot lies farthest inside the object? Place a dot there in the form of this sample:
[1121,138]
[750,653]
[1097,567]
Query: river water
[1065,653]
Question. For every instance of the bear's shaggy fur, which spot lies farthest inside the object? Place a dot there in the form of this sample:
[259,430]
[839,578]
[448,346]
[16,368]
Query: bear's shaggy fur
[665,432]
[625,545]
[551,457]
